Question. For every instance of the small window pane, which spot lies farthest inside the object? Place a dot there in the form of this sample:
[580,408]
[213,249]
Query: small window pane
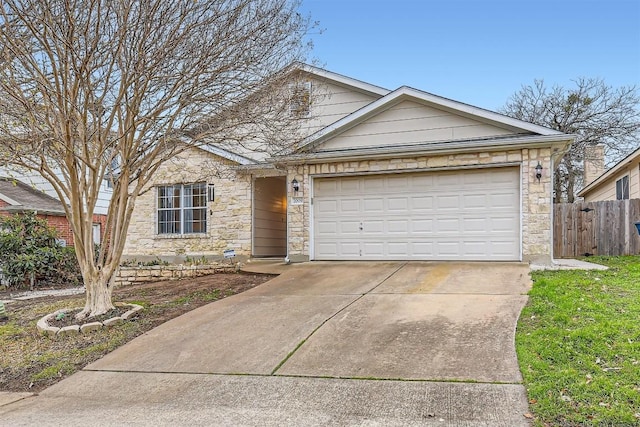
[195,221]
[622,188]
[169,221]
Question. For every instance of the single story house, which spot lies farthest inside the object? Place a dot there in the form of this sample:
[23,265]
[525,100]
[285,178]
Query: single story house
[17,197]
[620,182]
[379,175]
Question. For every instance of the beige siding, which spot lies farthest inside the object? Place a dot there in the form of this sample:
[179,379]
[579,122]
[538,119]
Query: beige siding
[607,190]
[410,122]
[269,217]
[332,102]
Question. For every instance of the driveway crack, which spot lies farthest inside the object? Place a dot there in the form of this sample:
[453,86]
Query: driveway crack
[301,343]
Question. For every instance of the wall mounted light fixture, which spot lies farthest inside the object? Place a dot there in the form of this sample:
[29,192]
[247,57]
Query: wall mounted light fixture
[295,185]
[211,193]
[538,171]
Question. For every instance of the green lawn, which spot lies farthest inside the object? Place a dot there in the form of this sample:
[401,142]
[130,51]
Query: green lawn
[578,343]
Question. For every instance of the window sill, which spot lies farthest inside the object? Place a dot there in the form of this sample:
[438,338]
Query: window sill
[181,236]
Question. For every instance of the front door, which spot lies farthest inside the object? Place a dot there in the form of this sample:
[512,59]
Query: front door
[270,217]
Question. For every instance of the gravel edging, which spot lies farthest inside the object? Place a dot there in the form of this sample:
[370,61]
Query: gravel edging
[44,327]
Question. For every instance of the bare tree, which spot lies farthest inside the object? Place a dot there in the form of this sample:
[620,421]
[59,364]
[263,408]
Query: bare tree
[594,112]
[89,85]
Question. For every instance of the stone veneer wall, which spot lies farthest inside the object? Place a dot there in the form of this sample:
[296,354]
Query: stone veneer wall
[228,217]
[536,196]
[143,274]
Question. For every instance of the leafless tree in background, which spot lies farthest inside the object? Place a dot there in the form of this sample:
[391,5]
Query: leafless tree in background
[594,112]
[89,84]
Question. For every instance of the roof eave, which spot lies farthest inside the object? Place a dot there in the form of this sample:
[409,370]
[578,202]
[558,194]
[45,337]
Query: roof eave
[608,174]
[344,80]
[431,149]
[21,208]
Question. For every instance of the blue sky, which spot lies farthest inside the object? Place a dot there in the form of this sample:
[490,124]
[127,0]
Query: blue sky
[478,51]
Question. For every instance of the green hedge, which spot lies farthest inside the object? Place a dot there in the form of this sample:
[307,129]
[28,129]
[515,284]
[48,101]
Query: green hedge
[30,253]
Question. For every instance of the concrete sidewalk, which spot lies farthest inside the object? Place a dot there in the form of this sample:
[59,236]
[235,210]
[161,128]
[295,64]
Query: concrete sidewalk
[322,344]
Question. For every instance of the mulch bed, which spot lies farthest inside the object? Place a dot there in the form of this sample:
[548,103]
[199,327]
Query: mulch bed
[27,354]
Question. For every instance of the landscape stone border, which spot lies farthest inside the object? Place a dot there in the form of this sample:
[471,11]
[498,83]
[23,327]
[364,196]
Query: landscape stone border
[44,327]
[129,275]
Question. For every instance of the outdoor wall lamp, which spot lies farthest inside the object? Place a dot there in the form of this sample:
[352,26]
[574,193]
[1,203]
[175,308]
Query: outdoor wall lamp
[539,171]
[295,185]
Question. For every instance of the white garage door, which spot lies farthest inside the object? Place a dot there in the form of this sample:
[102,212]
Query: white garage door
[450,215]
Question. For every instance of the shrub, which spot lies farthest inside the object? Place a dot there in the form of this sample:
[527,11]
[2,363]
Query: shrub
[30,253]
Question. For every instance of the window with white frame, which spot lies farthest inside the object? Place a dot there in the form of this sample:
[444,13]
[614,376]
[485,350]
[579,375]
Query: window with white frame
[622,188]
[182,208]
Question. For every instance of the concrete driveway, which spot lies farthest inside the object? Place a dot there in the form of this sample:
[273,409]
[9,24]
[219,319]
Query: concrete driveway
[347,343]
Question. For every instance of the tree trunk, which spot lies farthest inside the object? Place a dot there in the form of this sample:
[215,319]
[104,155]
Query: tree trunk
[99,288]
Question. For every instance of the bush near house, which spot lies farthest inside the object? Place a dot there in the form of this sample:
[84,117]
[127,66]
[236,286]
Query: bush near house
[578,344]
[30,254]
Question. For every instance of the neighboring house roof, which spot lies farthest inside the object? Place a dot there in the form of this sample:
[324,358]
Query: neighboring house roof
[21,197]
[611,172]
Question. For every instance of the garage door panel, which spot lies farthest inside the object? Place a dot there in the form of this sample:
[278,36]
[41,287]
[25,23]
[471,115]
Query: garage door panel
[328,228]
[474,247]
[398,226]
[349,185]
[349,206]
[502,248]
[452,180]
[373,205]
[448,225]
[505,224]
[325,207]
[501,200]
[423,182]
[397,204]
[398,182]
[447,248]
[349,227]
[461,215]
[398,248]
[422,226]
[373,249]
[373,227]
[474,201]
[373,185]
[324,249]
[422,250]
[422,203]
[474,225]
[448,202]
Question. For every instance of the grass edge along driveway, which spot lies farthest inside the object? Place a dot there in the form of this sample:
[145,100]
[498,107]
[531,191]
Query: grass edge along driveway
[578,345]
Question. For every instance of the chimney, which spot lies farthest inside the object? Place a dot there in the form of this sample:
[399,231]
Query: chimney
[593,163]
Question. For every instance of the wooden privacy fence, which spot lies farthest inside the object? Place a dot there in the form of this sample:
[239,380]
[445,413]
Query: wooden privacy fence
[596,228]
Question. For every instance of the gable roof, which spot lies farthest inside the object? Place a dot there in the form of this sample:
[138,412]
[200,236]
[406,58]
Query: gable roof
[353,84]
[407,93]
[611,172]
[21,197]
[342,80]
